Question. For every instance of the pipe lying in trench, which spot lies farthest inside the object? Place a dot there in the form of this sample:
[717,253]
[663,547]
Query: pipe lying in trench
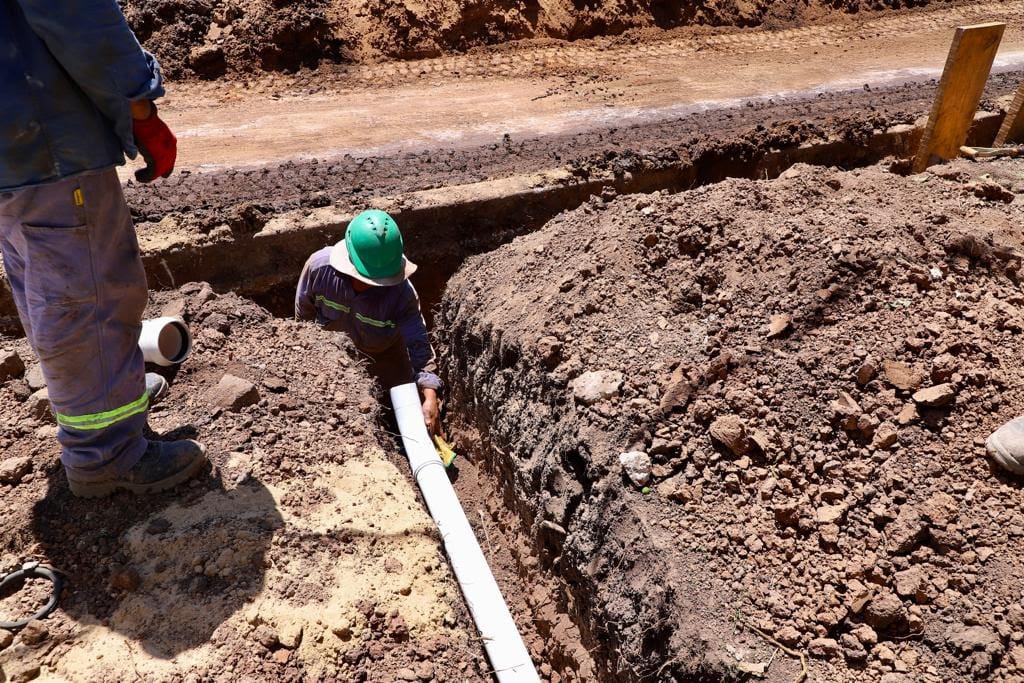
[505,648]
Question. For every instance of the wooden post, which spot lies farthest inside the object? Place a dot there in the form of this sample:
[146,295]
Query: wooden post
[1012,130]
[963,81]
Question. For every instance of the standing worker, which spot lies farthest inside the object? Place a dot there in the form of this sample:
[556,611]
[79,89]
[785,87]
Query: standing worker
[361,287]
[77,93]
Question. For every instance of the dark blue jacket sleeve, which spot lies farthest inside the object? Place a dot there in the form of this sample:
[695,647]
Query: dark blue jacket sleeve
[92,41]
[305,306]
[414,333]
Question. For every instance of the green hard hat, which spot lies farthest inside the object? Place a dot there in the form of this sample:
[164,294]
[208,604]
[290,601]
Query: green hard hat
[375,244]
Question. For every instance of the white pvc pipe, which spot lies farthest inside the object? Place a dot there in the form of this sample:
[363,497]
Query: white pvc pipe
[505,648]
[165,341]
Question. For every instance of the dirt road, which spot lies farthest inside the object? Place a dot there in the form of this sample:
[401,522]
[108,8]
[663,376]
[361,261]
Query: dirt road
[526,90]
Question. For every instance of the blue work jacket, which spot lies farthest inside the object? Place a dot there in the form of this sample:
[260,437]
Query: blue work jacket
[69,70]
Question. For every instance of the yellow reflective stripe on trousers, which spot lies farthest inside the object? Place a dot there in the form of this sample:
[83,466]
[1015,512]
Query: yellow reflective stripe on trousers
[321,299]
[105,419]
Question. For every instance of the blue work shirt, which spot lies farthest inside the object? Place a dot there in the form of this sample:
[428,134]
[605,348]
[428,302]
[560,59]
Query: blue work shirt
[374,319]
[69,70]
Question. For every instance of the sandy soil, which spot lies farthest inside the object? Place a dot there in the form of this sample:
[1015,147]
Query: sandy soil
[305,553]
[808,368]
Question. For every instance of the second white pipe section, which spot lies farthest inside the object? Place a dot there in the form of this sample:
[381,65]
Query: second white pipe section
[505,648]
[165,341]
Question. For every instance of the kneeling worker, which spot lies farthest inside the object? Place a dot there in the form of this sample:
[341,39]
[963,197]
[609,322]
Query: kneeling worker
[361,287]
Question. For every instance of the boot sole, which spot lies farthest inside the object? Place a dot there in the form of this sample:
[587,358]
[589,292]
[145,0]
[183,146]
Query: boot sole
[1003,456]
[102,489]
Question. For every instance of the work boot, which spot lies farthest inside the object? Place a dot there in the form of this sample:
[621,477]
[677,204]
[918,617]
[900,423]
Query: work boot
[156,387]
[163,465]
[1006,445]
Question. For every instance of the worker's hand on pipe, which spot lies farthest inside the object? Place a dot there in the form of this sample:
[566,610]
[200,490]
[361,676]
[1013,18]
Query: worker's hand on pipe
[155,141]
[432,412]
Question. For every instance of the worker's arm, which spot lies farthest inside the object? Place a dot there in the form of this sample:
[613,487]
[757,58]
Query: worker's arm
[305,306]
[421,356]
[92,41]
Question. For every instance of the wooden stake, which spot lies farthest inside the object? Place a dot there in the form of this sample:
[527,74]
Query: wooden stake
[963,81]
[1012,129]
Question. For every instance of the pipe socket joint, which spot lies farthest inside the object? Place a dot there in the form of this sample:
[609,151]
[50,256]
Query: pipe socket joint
[165,341]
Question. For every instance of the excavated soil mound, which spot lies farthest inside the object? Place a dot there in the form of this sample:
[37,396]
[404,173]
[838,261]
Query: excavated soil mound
[208,38]
[303,555]
[802,373]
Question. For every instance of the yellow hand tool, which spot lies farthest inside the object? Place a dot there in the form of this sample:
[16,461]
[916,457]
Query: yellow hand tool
[444,450]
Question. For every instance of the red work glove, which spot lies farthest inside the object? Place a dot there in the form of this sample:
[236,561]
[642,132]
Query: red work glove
[157,145]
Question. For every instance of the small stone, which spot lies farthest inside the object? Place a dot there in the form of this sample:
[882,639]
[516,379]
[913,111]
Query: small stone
[406,674]
[342,629]
[392,565]
[884,610]
[38,405]
[968,639]
[911,583]
[729,432]
[591,387]
[934,397]
[846,412]
[233,393]
[265,636]
[637,466]
[157,525]
[11,365]
[779,324]
[886,436]
[550,350]
[906,531]
[866,372]
[907,415]
[425,671]
[21,670]
[35,379]
[787,514]
[175,308]
[902,376]
[290,635]
[34,633]
[281,656]
[788,635]
[13,469]
[939,508]
[125,579]
[885,654]
[275,384]
[944,366]
[865,634]
[826,648]
[853,649]
[830,514]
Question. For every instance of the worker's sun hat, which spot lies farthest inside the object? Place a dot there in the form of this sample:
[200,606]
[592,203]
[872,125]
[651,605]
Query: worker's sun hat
[373,251]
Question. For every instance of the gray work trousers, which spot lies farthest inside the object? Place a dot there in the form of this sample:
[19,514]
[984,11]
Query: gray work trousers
[73,262]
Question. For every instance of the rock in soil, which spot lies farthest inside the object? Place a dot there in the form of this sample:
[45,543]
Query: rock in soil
[11,365]
[233,393]
[13,469]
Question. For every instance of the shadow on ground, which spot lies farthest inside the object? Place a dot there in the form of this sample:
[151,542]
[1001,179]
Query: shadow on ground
[164,570]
